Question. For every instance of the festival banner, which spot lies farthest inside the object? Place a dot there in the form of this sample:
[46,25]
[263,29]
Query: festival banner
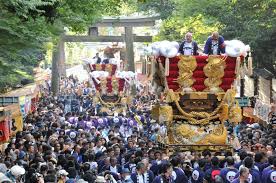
[4,130]
[261,110]
[248,86]
[28,103]
[17,124]
[264,90]
[22,105]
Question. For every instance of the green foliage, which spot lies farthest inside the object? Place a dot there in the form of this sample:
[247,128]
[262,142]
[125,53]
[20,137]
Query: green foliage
[129,7]
[27,27]
[79,14]
[74,53]
[164,8]
[175,28]
[200,27]
[31,8]
[170,30]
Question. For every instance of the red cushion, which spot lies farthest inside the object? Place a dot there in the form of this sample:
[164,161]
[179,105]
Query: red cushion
[227,81]
[199,81]
[199,87]
[225,87]
[173,74]
[198,74]
[173,67]
[200,66]
[173,87]
[230,67]
[229,74]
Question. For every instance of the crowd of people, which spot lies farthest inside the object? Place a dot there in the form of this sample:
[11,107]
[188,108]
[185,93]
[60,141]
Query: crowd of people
[66,142]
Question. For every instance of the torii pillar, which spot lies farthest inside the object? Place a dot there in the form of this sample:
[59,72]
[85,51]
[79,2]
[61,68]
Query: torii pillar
[129,48]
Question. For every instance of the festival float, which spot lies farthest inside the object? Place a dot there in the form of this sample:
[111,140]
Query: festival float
[197,95]
[112,86]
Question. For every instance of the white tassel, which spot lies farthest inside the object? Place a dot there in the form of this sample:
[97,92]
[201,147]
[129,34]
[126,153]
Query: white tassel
[238,81]
[93,85]
[127,80]
[242,72]
[167,67]
[250,65]
[118,65]
[238,63]
[97,81]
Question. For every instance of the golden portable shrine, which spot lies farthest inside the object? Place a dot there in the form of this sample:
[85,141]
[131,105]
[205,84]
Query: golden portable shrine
[112,88]
[198,97]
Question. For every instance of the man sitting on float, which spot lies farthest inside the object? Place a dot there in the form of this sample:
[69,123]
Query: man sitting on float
[188,46]
[214,45]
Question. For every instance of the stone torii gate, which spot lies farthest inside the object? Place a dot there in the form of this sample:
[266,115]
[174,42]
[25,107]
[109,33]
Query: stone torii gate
[58,65]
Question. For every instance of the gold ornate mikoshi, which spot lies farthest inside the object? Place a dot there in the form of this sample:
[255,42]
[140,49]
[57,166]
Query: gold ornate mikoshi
[96,99]
[199,135]
[218,136]
[162,113]
[111,111]
[214,70]
[171,96]
[199,127]
[223,116]
[115,85]
[186,66]
[124,101]
[103,85]
[119,110]
[129,99]
[235,113]
[108,68]
[98,67]
[201,118]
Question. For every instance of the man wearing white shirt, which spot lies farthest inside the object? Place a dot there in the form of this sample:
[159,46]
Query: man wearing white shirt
[138,176]
[125,130]
[188,46]
[114,167]
[99,147]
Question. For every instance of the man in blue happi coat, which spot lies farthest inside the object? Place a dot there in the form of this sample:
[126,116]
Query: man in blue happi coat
[214,45]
